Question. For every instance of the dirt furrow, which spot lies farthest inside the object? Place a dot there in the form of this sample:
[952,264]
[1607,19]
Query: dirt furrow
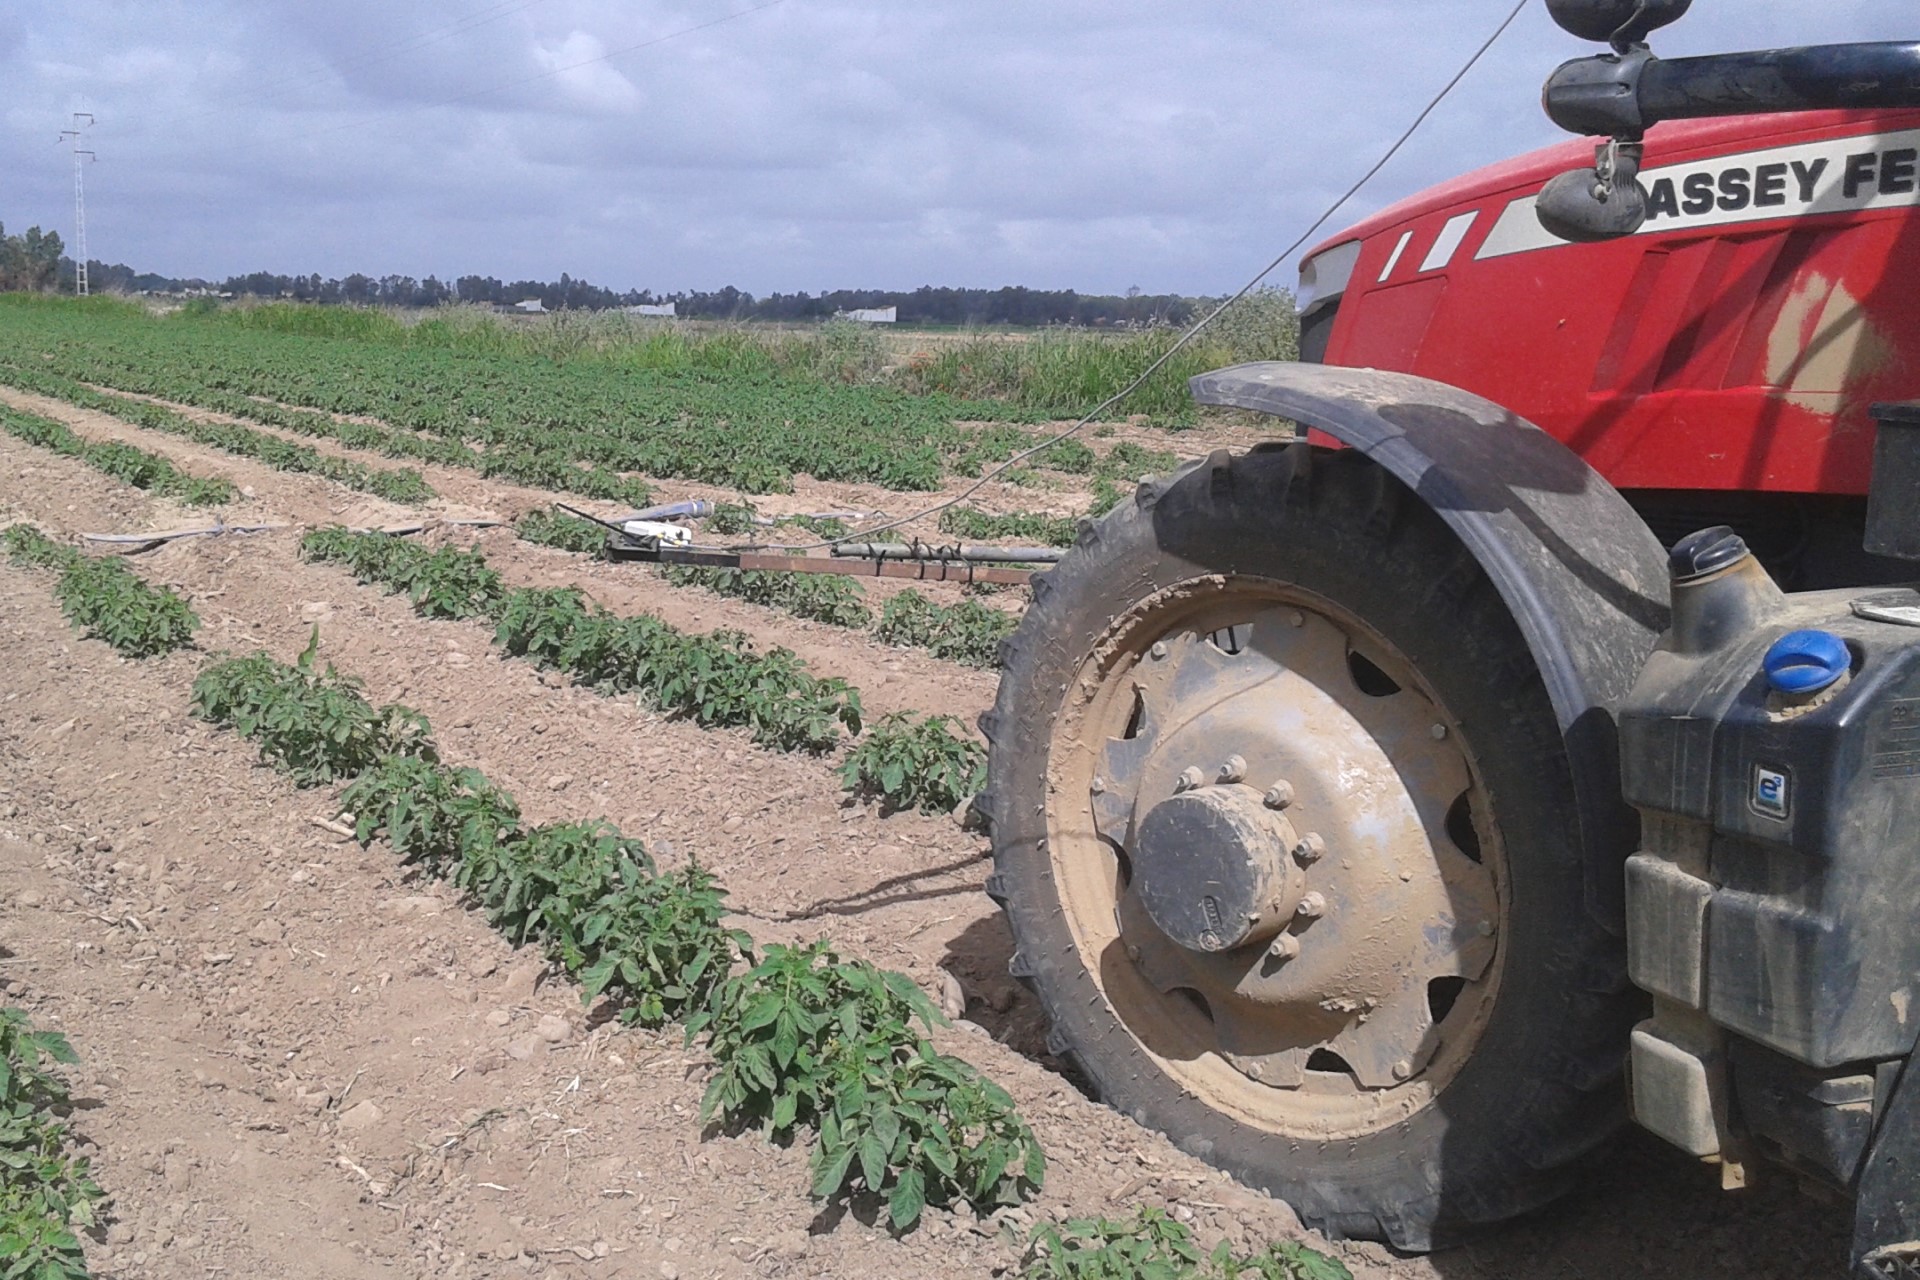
[244,984]
[321,981]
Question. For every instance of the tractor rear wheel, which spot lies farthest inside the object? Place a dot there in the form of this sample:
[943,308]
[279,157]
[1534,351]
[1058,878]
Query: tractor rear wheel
[1285,833]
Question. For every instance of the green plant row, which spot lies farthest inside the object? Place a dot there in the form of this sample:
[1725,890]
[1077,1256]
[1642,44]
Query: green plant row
[715,680]
[538,466]
[805,1039]
[403,485]
[123,462]
[801,1038]
[105,599]
[47,1194]
[1151,1245]
[821,597]
[970,522]
[968,632]
[547,528]
[747,430]
[1124,464]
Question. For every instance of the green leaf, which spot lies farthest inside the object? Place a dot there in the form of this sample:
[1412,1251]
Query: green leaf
[831,1176]
[908,1200]
[873,1161]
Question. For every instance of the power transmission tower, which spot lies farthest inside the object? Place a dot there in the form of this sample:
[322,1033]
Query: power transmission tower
[82,121]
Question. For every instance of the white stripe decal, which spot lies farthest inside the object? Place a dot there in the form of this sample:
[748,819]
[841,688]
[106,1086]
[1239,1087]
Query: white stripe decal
[1449,242]
[1394,261]
[1841,175]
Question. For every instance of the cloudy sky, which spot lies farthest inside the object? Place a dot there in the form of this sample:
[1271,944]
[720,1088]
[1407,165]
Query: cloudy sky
[802,144]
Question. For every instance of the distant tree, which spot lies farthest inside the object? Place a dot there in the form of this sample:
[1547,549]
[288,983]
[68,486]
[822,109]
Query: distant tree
[30,261]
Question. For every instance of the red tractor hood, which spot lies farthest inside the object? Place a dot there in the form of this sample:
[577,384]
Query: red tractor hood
[1735,343]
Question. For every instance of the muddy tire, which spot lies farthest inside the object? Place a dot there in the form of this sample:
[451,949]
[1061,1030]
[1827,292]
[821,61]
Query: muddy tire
[1517,1075]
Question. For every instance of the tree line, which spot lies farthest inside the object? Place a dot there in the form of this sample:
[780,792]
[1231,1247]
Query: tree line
[35,261]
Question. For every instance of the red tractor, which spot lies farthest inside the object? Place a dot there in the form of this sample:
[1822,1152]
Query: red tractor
[1389,812]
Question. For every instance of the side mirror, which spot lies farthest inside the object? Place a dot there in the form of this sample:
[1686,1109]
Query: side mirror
[1618,22]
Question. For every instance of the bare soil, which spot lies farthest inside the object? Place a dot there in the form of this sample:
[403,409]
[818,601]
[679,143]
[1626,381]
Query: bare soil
[299,1062]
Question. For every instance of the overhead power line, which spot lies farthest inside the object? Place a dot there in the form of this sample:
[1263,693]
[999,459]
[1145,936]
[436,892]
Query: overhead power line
[1193,331]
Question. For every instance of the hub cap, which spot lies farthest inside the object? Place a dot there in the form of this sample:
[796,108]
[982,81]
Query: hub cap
[1270,841]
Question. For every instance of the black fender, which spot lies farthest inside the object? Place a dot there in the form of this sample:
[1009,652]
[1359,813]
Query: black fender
[1578,569]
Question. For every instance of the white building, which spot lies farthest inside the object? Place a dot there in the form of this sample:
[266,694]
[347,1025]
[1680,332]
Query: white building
[530,306]
[873,315]
[664,310]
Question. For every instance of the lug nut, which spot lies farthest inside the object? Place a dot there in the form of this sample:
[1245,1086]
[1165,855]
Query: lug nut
[1403,1070]
[1099,786]
[1311,849]
[1439,732]
[1486,929]
[1190,777]
[1297,619]
[1285,947]
[1233,770]
[1255,1071]
[1159,650]
[1279,795]
[1311,907]
[1133,951]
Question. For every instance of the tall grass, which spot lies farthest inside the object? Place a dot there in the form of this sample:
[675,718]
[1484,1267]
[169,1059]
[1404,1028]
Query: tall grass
[1060,372]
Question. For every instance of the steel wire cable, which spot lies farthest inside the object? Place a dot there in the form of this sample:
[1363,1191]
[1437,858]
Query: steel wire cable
[1198,326]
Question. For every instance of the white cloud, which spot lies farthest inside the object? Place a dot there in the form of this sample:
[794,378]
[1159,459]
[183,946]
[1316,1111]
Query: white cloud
[820,143]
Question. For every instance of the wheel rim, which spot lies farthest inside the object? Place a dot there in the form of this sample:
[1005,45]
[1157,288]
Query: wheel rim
[1276,856]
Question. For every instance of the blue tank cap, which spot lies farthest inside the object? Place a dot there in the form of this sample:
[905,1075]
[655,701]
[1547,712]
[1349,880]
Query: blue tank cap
[1803,662]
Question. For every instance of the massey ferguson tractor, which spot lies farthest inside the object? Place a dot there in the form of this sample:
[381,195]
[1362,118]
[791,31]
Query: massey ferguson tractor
[1529,737]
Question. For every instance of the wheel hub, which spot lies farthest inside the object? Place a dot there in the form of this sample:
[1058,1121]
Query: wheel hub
[1290,812]
[1213,868]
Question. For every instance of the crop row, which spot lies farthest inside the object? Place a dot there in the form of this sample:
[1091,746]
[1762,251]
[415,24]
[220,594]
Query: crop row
[401,485]
[106,599]
[821,597]
[543,467]
[749,432]
[968,632]
[123,462]
[800,1038]
[1153,1245]
[716,680]
[47,1193]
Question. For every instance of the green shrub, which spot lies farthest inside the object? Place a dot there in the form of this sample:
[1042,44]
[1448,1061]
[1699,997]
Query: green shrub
[1153,1246]
[123,462]
[916,763]
[47,1195]
[968,632]
[1025,526]
[447,583]
[714,680]
[315,726]
[107,600]
[731,519]
[568,533]
[823,597]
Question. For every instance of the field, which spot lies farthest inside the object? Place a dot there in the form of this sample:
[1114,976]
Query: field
[320,941]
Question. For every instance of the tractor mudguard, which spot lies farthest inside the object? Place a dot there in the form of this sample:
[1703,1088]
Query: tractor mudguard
[1578,569]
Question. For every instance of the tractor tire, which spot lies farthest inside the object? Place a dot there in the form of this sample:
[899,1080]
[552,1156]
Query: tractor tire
[1253,1049]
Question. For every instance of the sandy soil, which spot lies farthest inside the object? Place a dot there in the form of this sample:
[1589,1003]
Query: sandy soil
[299,1062]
